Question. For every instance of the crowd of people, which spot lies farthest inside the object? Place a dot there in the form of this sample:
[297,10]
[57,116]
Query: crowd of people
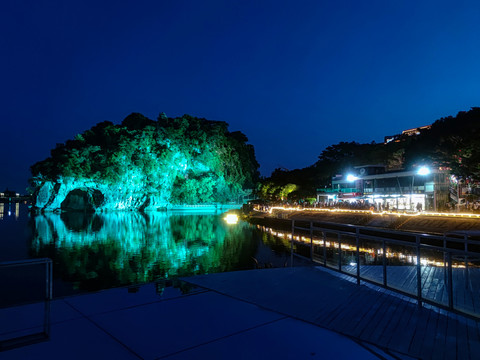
[468,207]
[357,205]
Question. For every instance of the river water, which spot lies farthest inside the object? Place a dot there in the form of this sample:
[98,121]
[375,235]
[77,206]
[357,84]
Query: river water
[97,251]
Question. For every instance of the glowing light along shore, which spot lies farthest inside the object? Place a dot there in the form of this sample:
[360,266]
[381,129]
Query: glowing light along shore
[424,213]
[231,219]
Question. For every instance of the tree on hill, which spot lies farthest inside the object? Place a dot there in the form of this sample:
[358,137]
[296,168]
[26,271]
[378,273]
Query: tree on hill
[452,142]
[199,160]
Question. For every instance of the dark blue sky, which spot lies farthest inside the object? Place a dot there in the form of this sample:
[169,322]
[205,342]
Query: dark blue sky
[294,76]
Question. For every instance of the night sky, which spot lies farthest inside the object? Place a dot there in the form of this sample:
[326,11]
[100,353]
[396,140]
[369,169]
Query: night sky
[294,76]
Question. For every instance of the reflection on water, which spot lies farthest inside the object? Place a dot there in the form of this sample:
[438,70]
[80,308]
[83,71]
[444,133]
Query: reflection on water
[9,209]
[96,251]
[370,251]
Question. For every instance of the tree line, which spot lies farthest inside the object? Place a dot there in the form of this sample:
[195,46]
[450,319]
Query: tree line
[452,142]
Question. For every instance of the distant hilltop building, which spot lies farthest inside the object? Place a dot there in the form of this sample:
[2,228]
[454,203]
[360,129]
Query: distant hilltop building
[405,133]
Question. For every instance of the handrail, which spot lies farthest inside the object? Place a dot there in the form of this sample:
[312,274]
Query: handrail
[384,231]
[417,241]
[403,242]
[15,342]
[25,262]
[28,262]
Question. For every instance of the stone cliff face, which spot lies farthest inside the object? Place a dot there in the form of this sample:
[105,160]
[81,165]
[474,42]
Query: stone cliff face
[70,194]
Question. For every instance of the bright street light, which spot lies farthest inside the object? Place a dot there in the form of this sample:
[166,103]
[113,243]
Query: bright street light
[423,171]
[351,178]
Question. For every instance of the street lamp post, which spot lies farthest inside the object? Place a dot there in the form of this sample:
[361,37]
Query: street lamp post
[423,171]
[411,193]
[458,195]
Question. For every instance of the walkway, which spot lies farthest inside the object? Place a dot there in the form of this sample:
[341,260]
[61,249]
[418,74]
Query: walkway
[465,289]
[152,322]
[367,313]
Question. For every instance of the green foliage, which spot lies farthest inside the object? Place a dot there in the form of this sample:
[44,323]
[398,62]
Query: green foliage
[292,185]
[136,121]
[452,142]
[286,190]
[340,157]
[199,160]
[270,191]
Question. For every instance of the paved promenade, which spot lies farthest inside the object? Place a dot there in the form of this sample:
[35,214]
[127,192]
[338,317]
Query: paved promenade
[368,314]
[155,323]
[282,313]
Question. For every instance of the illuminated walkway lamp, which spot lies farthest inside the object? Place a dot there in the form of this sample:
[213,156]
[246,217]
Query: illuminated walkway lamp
[422,171]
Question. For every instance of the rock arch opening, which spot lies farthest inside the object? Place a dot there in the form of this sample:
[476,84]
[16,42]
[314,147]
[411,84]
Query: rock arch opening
[85,200]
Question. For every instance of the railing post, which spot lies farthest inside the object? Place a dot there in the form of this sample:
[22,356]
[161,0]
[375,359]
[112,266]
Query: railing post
[291,243]
[384,262]
[357,241]
[445,269]
[339,238]
[48,280]
[324,248]
[48,297]
[465,238]
[450,281]
[311,241]
[419,273]
[51,280]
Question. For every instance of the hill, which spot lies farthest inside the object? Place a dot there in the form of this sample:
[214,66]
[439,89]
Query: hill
[144,164]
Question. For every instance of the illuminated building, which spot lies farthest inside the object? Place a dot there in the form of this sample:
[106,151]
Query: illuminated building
[418,189]
[8,195]
[406,133]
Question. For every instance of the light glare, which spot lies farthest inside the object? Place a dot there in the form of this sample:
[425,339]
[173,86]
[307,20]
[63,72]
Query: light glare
[423,171]
[231,219]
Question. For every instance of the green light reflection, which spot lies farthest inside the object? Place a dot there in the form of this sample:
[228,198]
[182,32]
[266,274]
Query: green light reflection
[97,251]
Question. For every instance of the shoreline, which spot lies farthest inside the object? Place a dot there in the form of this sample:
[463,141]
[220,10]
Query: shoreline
[432,223]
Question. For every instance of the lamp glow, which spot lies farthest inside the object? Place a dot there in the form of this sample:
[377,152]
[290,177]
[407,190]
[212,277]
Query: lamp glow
[423,171]
[351,177]
[231,219]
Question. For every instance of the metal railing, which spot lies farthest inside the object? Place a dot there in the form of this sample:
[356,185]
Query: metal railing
[30,337]
[439,270]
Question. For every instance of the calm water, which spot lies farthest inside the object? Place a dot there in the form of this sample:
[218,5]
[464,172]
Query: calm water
[98,251]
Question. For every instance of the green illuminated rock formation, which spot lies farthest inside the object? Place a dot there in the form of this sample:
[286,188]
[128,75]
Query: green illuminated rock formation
[143,164]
